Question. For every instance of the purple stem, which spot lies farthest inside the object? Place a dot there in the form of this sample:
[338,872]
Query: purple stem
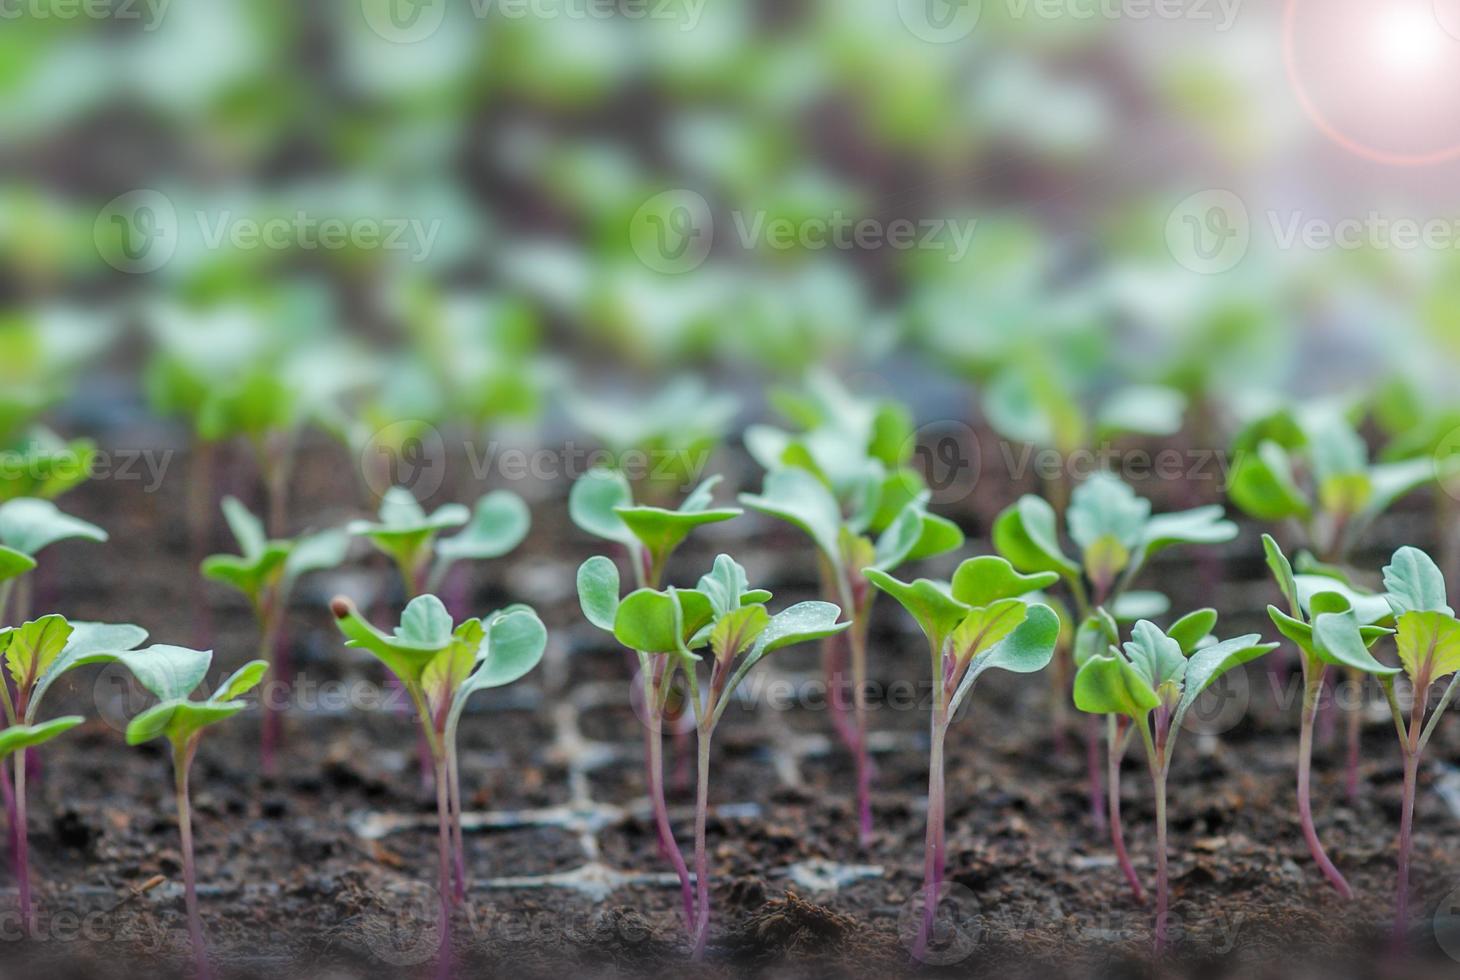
[654,751]
[702,860]
[22,849]
[1313,695]
[857,637]
[458,844]
[1163,877]
[182,762]
[1116,750]
[443,869]
[1412,750]
[1095,768]
[934,845]
[9,794]
[274,648]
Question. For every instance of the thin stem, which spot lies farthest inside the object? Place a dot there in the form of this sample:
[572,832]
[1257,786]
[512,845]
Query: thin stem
[857,636]
[934,843]
[1424,740]
[1116,743]
[1355,735]
[1157,762]
[182,763]
[653,725]
[458,845]
[443,862]
[271,620]
[702,860]
[1411,749]
[1313,674]
[22,849]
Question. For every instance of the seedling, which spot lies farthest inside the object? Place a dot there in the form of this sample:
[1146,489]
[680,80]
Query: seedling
[1309,598]
[36,655]
[171,673]
[1309,467]
[265,572]
[1428,643]
[981,621]
[44,466]
[406,533]
[1154,682]
[664,629]
[27,527]
[441,665]
[845,483]
[1117,536]
[602,504]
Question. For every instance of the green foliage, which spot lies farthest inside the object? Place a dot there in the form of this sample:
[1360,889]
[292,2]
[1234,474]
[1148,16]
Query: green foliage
[270,567]
[1322,621]
[172,675]
[44,466]
[601,503]
[29,526]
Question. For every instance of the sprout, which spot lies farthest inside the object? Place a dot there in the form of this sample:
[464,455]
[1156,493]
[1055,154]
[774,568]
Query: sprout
[1309,598]
[845,483]
[171,673]
[265,572]
[664,629]
[979,622]
[36,655]
[1117,536]
[409,535]
[441,665]
[1310,467]
[1428,644]
[27,527]
[1154,680]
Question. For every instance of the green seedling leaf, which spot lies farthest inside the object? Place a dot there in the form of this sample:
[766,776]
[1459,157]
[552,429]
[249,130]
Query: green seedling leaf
[728,588]
[1109,685]
[1282,570]
[1369,609]
[1026,534]
[515,643]
[406,653]
[14,564]
[1390,481]
[1429,646]
[316,553]
[1028,649]
[28,525]
[804,622]
[247,529]
[646,619]
[598,591]
[404,528]
[986,627]
[181,719]
[1157,658]
[662,531]
[499,523]
[989,578]
[1262,485]
[594,503]
[17,738]
[168,672]
[89,643]
[735,630]
[936,612]
[800,499]
[1204,525]
[1416,584]
[31,649]
[701,496]
[1131,607]
[1095,638]
[1338,640]
[1190,630]
[1105,512]
[251,576]
[1208,664]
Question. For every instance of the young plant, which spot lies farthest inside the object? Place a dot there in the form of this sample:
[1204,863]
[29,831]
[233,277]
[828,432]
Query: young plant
[441,665]
[845,482]
[265,572]
[171,674]
[43,465]
[982,620]
[665,628]
[1117,536]
[601,503]
[1428,643]
[27,527]
[1153,681]
[1308,467]
[409,536]
[36,655]
[1309,598]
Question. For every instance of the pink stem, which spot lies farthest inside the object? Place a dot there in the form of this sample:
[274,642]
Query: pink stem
[654,753]
[858,641]
[9,794]
[702,860]
[22,849]
[443,865]
[934,845]
[1163,876]
[1406,842]
[1117,829]
[182,763]
[1313,694]
[1096,768]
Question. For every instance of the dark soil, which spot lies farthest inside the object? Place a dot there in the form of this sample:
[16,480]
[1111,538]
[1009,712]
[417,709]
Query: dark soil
[295,883]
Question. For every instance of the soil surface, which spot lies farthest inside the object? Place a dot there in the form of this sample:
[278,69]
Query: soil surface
[327,867]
